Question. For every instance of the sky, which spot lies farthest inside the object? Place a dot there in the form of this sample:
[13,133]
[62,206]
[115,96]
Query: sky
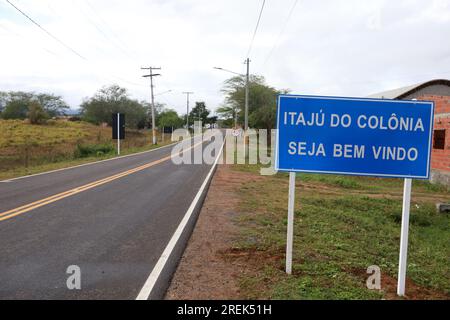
[320,47]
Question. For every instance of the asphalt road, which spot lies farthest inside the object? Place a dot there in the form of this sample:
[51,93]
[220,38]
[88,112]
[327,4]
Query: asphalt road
[114,229]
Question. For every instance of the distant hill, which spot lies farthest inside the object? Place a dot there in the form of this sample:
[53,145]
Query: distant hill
[72,112]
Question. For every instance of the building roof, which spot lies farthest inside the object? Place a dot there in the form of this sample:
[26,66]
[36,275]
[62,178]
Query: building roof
[403,92]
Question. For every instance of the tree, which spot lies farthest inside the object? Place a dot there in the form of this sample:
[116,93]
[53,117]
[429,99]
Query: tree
[159,108]
[170,118]
[226,115]
[51,104]
[212,120]
[3,101]
[16,109]
[113,99]
[20,101]
[199,112]
[36,114]
[262,101]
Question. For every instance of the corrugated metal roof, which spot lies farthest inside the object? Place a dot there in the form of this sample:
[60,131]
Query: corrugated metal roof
[404,91]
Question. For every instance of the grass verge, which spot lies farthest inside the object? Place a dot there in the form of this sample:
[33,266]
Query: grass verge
[29,149]
[343,225]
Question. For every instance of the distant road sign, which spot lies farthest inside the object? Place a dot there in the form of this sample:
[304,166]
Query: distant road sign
[120,127]
[236,132]
[388,138]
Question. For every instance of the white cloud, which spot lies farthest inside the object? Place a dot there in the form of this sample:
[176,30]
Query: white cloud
[335,47]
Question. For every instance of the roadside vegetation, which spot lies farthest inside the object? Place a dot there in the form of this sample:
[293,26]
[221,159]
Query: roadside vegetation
[36,135]
[27,149]
[343,225]
[262,102]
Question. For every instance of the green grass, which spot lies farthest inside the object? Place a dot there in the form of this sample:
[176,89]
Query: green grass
[83,151]
[339,232]
[22,171]
[18,133]
[28,149]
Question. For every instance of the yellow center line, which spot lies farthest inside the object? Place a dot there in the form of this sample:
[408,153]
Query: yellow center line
[36,204]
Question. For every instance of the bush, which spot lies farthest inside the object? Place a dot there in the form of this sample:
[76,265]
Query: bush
[83,151]
[36,114]
[15,109]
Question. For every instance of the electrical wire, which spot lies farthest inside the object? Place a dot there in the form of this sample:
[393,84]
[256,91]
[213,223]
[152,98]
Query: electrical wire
[120,44]
[47,32]
[69,48]
[275,44]
[256,29]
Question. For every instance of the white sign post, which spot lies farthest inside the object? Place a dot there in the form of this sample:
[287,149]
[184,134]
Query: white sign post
[290,222]
[118,134]
[404,238]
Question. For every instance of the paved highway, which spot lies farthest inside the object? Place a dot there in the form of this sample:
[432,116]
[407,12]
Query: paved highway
[112,219]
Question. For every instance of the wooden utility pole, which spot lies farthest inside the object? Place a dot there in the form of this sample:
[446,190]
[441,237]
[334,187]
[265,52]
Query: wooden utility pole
[151,75]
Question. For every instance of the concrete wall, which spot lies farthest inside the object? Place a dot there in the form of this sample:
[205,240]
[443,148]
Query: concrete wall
[441,177]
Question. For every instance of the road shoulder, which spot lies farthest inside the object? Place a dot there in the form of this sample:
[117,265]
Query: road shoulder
[343,225]
[205,270]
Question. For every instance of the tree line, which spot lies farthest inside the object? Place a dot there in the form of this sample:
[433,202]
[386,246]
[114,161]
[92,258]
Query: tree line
[37,107]
[97,109]
[112,99]
[115,99]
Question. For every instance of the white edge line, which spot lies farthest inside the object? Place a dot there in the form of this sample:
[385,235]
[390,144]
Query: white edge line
[86,164]
[154,275]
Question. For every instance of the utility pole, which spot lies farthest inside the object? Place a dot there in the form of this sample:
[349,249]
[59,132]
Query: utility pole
[187,93]
[247,61]
[151,75]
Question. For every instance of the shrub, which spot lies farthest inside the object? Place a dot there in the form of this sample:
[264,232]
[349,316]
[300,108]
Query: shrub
[15,109]
[36,114]
[83,151]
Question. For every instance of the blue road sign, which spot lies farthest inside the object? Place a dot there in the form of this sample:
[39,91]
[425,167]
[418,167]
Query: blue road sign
[357,136]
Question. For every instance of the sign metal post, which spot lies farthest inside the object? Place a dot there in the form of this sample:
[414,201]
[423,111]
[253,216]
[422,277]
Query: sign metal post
[118,128]
[118,134]
[403,257]
[290,222]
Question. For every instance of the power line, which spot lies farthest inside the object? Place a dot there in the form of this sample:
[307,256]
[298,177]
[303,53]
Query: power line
[109,75]
[121,45]
[275,44]
[21,36]
[47,32]
[256,29]
[72,50]
[96,26]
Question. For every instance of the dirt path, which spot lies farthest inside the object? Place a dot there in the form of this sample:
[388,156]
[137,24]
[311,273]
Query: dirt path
[204,272]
